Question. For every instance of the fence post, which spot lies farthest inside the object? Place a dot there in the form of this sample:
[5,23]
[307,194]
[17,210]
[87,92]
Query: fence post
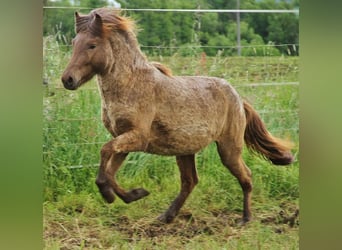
[238,28]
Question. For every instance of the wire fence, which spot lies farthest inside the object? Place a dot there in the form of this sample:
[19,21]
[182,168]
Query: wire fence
[260,84]
[294,46]
[294,11]
[79,130]
[57,118]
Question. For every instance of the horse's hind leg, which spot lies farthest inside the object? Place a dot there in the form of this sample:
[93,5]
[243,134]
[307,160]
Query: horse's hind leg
[189,179]
[110,164]
[230,154]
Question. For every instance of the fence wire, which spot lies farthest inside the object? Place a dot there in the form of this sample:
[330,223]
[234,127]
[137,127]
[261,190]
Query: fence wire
[60,121]
[294,11]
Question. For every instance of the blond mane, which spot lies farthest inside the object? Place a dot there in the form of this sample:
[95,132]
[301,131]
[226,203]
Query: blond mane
[112,20]
[162,68]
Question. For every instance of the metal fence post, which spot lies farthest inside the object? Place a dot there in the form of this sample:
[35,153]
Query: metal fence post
[238,28]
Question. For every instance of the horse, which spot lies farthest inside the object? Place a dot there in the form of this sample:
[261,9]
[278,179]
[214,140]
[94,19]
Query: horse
[147,109]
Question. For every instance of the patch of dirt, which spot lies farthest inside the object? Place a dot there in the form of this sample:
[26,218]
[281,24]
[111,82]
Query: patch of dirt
[219,223]
[185,226]
[288,215]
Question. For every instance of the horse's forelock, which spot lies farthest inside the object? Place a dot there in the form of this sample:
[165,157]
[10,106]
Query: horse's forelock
[113,20]
[110,19]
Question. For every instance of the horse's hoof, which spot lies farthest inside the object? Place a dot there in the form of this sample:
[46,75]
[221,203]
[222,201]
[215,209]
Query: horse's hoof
[242,222]
[139,193]
[135,194]
[166,218]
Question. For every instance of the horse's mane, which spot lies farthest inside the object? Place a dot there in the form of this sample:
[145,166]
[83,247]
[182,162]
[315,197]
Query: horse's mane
[162,68]
[112,19]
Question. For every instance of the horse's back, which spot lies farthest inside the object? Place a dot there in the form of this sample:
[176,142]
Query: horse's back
[205,94]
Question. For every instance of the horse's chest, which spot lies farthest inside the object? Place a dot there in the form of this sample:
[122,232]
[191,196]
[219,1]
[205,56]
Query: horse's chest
[116,122]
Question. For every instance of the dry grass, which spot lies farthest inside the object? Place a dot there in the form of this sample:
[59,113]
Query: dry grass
[81,229]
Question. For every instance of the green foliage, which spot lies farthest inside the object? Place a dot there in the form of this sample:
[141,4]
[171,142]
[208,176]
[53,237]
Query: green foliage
[59,21]
[276,28]
[177,29]
[189,50]
[92,4]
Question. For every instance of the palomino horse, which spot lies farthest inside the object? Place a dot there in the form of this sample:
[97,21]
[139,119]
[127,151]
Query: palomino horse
[147,109]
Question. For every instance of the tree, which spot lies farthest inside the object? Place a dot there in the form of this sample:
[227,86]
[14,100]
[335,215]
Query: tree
[184,28]
[276,28]
[90,3]
[60,22]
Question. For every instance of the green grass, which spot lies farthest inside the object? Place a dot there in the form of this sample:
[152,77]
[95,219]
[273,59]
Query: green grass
[76,217]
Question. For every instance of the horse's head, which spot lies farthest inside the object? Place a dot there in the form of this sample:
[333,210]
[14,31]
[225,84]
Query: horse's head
[89,55]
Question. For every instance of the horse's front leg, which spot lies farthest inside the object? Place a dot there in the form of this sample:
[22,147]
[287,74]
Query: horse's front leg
[131,141]
[113,154]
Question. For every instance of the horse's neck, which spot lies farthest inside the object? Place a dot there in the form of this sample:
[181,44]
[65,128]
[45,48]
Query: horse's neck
[128,64]
[127,60]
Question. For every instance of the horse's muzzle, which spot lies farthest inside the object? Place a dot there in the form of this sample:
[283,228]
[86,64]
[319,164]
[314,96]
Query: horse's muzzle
[69,82]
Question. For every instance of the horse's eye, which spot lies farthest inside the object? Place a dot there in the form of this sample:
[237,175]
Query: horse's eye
[92,46]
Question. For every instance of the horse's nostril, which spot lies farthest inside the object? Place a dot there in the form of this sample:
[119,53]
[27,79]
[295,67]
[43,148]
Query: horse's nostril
[70,80]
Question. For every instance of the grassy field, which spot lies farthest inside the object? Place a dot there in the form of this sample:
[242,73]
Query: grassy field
[76,217]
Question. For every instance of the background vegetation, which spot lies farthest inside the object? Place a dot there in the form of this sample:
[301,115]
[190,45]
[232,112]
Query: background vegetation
[175,29]
[76,217]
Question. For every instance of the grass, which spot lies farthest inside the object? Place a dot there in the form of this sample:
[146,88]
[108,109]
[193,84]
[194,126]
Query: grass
[76,217]
[72,225]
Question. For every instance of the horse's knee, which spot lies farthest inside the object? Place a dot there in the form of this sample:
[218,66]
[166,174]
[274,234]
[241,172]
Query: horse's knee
[101,181]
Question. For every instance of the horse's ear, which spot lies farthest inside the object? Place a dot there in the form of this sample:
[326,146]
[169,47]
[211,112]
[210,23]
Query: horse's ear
[97,21]
[96,25]
[98,17]
[79,22]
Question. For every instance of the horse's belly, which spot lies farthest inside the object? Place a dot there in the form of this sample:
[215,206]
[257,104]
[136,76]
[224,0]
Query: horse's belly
[182,142]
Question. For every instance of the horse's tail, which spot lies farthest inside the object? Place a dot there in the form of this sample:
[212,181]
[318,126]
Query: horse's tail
[258,139]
